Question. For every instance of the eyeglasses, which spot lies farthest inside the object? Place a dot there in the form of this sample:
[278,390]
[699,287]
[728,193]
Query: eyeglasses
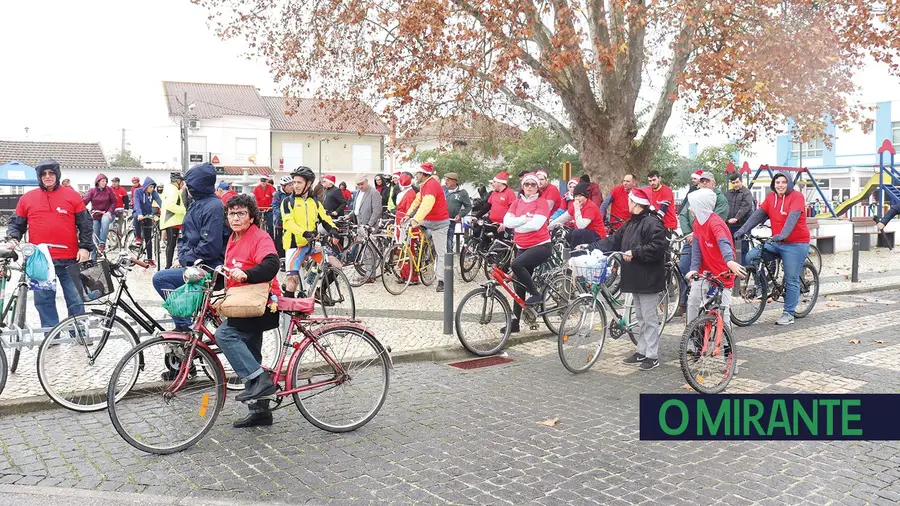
[239,215]
[47,173]
[529,184]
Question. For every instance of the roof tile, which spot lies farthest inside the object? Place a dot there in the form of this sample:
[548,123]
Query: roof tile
[314,115]
[70,155]
[214,100]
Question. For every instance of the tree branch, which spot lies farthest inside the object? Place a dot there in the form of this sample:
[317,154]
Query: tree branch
[554,123]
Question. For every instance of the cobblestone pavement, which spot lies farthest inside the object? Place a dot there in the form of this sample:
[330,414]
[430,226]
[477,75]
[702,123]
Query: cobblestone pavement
[413,321]
[472,437]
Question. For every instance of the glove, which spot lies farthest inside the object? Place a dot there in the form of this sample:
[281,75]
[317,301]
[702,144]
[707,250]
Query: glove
[309,236]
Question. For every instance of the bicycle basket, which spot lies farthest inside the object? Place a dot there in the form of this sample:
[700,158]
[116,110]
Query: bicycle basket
[92,279]
[186,300]
[589,268]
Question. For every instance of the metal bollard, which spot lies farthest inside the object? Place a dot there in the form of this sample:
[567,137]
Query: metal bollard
[448,294]
[854,273]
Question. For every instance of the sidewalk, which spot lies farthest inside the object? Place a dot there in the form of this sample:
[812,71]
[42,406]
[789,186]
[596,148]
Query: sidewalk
[411,324]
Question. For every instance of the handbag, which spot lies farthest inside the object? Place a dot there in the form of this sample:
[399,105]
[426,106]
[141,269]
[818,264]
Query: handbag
[244,301]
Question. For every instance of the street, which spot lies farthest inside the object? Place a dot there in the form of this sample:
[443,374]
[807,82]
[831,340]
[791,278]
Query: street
[448,435]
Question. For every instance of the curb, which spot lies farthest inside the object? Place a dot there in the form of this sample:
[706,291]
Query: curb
[863,289]
[73,494]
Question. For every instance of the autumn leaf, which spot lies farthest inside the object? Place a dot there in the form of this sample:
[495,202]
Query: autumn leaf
[687,387]
[879,342]
[854,341]
[550,423]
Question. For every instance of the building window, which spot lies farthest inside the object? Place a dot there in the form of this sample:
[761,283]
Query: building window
[895,132]
[292,153]
[362,158]
[244,147]
[811,149]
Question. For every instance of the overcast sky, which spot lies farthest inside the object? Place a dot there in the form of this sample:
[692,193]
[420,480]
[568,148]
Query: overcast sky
[83,70]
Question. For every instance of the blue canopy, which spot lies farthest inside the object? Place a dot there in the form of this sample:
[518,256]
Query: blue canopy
[17,174]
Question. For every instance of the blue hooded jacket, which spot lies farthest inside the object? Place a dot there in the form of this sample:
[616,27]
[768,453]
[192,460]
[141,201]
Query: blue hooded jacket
[143,203]
[203,231]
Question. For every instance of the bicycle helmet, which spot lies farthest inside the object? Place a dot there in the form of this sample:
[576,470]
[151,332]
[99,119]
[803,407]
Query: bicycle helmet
[176,176]
[304,172]
[286,180]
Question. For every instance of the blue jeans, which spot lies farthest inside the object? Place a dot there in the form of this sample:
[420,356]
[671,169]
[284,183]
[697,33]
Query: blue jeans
[45,300]
[101,230]
[170,279]
[242,349]
[793,256]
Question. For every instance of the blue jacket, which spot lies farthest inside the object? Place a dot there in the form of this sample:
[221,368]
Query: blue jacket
[203,231]
[143,203]
[276,207]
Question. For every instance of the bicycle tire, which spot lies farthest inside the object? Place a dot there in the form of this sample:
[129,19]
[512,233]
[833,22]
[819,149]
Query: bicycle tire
[560,296]
[164,424]
[392,278]
[360,268]
[156,247]
[815,256]
[745,290]
[364,350]
[469,253]
[566,334]
[4,369]
[428,269]
[674,288]
[809,288]
[344,293]
[469,342]
[696,381]
[19,320]
[73,360]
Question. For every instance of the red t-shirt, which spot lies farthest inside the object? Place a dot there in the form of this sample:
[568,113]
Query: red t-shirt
[537,206]
[51,219]
[778,209]
[439,211]
[227,195]
[619,207]
[247,252]
[664,195]
[590,211]
[500,203]
[120,196]
[264,196]
[552,195]
[711,256]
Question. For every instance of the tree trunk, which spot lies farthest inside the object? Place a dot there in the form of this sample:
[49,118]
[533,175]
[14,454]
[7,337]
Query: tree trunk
[607,161]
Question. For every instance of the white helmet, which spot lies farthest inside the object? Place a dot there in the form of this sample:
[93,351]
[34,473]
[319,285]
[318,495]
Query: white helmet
[286,180]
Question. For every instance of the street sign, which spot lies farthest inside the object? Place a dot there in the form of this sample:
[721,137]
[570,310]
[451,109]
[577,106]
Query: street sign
[215,160]
[566,171]
[220,170]
[196,157]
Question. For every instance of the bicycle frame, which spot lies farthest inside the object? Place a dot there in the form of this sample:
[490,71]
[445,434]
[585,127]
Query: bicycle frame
[501,278]
[299,347]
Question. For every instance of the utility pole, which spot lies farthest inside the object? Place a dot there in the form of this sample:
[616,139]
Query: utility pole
[184,135]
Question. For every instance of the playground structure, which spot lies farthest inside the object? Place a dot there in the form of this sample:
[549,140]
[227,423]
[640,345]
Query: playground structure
[787,170]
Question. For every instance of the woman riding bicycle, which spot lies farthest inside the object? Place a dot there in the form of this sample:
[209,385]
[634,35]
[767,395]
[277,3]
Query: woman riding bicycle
[786,210]
[527,218]
[588,219]
[250,258]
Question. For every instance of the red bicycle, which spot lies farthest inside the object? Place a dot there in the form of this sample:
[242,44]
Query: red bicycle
[482,311]
[338,375]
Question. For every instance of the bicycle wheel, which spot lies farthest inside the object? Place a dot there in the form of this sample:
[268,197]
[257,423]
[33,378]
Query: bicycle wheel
[74,362]
[582,333]
[556,294]
[19,320]
[707,363]
[4,371]
[748,298]
[397,270]
[614,279]
[809,290]
[362,263]
[156,248]
[360,367]
[155,416]
[133,247]
[673,291]
[335,294]
[815,256]
[469,260]
[477,319]
[113,240]
[427,273]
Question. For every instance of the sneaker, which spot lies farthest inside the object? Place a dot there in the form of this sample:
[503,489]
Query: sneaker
[649,363]
[635,359]
[513,327]
[440,286]
[786,319]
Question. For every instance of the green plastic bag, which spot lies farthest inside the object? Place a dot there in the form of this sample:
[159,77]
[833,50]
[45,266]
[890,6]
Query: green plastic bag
[185,300]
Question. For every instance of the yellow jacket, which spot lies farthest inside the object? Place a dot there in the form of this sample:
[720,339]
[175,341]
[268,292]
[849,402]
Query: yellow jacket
[173,209]
[299,215]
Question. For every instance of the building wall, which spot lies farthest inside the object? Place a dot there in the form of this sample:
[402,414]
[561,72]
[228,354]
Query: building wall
[344,155]
[221,136]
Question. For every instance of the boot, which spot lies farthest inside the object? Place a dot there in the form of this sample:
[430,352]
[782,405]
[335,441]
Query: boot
[255,418]
[260,386]
[513,327]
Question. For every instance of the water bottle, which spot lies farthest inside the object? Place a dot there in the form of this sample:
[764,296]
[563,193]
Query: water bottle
[311,276]
[711,292]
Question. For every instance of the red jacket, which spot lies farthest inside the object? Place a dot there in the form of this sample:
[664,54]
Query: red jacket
[120,196]
[619,208]
[536,207]
[664,195]
[50,218]
[264,196]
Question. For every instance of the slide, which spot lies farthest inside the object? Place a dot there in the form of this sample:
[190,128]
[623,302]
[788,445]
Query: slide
[868,189]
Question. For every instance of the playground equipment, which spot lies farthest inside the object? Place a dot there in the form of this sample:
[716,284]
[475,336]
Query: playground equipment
[800,171]
[891,173]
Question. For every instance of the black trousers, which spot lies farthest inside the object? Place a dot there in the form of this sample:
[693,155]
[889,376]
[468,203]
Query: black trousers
[523,266]
[172,234]
[584,236]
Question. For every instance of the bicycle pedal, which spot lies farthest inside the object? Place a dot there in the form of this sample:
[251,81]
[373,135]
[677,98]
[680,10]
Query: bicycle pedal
[263,398]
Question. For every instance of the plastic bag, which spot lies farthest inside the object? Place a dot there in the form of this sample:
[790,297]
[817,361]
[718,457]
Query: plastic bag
[38,265]
[590,267]
[185,300]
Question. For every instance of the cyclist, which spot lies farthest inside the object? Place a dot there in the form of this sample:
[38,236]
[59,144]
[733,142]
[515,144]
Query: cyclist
[528,217]
[786,211]
[618,204]
[301,215]
[497,203]
[224,191]
[405,198]
[285,190]
[432,214]
[102,200]
[663,199]
[264,192]
[334,199]
[566,199]
[588,220]
[712,250]
[143,210]
[549,192]
[173,211]
[643,240]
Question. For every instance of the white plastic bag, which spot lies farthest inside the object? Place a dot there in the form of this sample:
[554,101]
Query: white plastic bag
[590,267]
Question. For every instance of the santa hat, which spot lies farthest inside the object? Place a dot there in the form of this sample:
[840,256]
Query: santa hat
[331,178]
[427,168]
[405,181]
[502,178]
[541,172]
[639,196]
[696,174]
[531,176]
[576,181]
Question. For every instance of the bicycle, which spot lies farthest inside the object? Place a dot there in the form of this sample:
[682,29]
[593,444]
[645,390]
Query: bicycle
[706,340]
[755,291]
[16,305]
[676,284]
[555,296]
[118,231]
[362,258]
[150,250]
[327,282]
[587,314]
[403,260]
[473,255]
[168,416]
